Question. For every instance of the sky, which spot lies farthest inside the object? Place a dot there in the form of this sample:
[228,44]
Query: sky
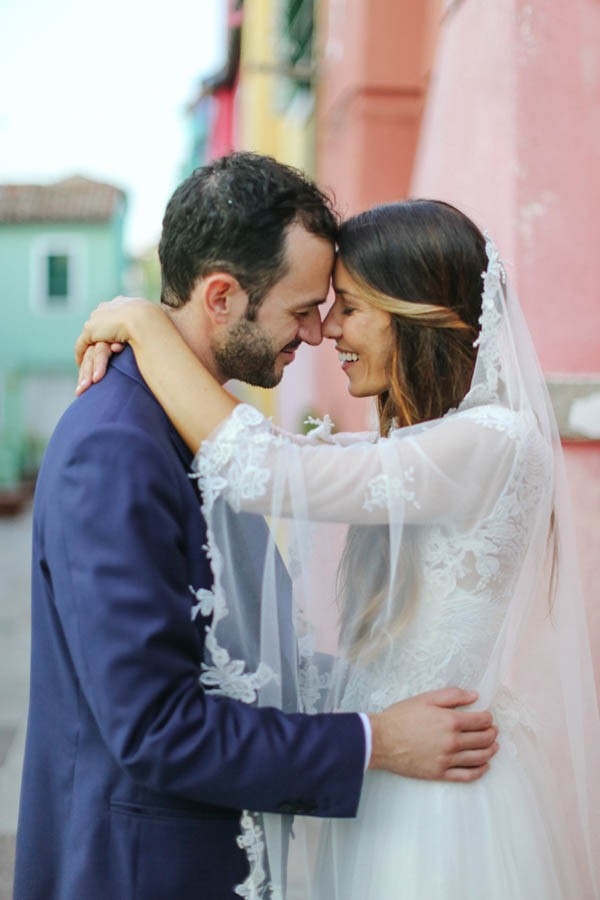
[98,88]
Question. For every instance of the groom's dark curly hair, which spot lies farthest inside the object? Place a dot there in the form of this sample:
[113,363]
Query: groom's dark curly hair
[232,216]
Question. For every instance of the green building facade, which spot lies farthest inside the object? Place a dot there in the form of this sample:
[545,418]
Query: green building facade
[61,253]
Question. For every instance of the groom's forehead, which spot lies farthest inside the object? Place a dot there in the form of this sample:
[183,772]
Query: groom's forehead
[296,304]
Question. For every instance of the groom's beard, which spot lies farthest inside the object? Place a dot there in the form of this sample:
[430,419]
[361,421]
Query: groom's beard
[247,353]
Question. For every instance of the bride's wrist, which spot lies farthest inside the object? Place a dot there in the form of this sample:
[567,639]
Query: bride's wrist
[145,323]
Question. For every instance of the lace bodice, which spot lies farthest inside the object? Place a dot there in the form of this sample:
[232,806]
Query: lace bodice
[467,581]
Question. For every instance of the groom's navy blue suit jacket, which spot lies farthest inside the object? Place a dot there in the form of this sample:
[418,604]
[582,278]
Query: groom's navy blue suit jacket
[133,776]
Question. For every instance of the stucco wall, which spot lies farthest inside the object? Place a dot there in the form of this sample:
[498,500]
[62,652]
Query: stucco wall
[511,134]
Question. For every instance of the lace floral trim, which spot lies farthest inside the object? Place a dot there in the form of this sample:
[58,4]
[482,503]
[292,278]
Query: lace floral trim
[221,675]
[481,558]
[311,682]
[252,841]
[488,341]
[247,477]
[322,429]
[511,712]
[384,490]
[494,278]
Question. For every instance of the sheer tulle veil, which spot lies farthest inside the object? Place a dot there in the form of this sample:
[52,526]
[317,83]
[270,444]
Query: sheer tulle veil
[441,554]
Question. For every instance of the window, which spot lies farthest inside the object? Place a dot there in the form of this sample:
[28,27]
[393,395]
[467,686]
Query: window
[58,278]
[57,273]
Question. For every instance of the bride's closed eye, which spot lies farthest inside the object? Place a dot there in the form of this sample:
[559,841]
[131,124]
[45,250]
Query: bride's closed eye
[345,308]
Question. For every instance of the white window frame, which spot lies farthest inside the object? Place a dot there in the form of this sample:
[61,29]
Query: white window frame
[73,247]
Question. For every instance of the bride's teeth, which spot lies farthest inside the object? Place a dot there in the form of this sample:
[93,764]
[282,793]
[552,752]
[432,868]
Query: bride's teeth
[347,357]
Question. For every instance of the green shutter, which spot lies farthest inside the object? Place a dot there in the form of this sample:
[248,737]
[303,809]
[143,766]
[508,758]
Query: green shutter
[58,278]
[299,25]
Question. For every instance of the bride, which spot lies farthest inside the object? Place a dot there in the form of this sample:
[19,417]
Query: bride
[436,551]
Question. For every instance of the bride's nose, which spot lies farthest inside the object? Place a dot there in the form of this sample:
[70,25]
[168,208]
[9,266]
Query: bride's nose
[331,324]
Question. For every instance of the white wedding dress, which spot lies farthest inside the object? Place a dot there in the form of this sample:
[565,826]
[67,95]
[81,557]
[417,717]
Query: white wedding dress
[501,837]
[418,561]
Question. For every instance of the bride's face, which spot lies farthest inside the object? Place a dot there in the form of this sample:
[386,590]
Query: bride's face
[363,336]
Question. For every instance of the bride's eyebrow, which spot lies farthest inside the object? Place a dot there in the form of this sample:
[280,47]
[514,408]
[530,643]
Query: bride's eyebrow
[345,295]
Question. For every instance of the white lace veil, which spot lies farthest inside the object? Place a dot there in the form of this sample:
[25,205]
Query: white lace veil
[353,571]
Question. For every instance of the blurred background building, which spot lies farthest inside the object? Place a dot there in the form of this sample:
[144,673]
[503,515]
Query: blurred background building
[61,253]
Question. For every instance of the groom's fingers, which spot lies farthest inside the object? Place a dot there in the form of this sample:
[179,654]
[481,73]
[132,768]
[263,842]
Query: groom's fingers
[450,696]
[470,765]
[465,775]
[476,740]
[479,720]
[471,759]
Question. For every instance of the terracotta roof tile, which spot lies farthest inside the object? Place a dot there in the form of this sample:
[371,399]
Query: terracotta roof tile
[75,199]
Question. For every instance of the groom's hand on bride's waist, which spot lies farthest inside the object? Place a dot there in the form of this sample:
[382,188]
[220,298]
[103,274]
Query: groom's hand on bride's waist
[427,736]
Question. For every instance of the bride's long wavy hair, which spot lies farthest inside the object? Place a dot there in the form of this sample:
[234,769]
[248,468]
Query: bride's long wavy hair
[421,261]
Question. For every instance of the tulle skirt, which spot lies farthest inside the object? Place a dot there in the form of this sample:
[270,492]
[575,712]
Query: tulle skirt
[503,837]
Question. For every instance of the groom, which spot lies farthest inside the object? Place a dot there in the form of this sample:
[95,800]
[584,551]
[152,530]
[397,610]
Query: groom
[134,776]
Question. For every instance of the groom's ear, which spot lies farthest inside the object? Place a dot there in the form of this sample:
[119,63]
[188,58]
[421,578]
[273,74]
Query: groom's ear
[223,297]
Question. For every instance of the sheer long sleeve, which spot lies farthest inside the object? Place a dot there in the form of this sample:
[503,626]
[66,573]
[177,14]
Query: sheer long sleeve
[455,467]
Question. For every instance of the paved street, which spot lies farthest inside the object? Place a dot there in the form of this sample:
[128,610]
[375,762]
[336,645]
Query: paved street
[15,545]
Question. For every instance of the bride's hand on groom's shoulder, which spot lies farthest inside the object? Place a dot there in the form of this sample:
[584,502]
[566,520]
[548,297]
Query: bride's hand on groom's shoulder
[428,737]
[106,332]
[94,364]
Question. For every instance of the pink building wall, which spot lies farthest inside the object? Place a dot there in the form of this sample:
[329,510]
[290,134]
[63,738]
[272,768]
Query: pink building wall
[374,60]
[511,134]
[372,82]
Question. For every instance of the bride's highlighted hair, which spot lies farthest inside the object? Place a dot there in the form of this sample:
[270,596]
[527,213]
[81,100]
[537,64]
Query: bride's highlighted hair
[421,261]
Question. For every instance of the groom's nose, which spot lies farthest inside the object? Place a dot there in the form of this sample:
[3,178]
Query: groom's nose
[310,327]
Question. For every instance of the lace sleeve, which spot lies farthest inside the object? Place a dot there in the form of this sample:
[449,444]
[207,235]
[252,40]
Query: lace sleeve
[455,467]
